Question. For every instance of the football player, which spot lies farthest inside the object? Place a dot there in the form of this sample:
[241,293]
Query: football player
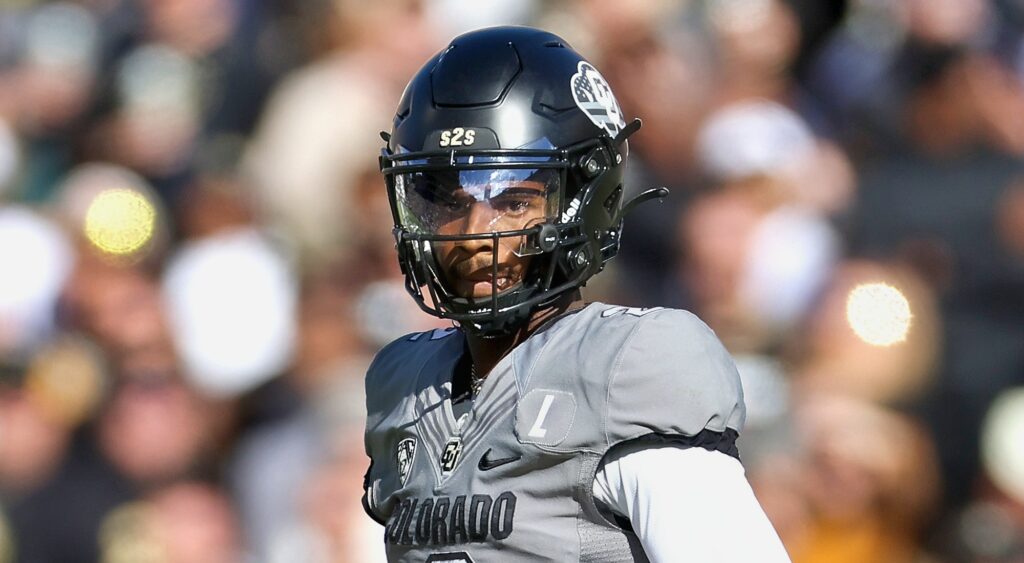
[540,428]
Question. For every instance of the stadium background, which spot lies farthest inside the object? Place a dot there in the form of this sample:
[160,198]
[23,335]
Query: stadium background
[196,263]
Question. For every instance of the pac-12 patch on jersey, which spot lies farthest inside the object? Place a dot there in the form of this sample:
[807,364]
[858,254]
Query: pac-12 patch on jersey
[404,455]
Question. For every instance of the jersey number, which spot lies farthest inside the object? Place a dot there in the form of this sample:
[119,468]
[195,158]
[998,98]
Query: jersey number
[538,430]
[458,137]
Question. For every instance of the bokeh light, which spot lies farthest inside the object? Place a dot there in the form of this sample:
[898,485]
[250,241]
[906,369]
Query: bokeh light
[66,380]
[62,35]
[231,299]
[127,534]
[1002,442]
[120,222]
[878,313]
[36,261]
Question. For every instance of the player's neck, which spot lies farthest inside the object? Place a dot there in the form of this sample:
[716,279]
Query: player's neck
[487,352]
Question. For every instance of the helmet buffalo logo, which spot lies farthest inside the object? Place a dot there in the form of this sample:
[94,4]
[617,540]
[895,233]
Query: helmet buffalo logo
[594,96]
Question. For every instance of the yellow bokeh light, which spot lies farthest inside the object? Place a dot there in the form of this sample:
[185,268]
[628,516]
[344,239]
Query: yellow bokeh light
[120,221]
[878,313]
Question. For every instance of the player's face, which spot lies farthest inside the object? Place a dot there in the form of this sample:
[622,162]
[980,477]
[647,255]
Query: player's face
[480,202]
[468,264]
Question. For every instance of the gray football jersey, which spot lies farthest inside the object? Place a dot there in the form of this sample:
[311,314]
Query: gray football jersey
[513,481]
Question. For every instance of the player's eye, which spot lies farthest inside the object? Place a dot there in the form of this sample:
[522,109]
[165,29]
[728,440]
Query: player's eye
[453,207]
[512,206]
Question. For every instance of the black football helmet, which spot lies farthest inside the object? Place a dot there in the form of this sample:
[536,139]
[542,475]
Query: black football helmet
[500,108]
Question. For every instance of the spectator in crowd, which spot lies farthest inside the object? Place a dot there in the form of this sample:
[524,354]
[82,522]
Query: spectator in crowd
[765,197]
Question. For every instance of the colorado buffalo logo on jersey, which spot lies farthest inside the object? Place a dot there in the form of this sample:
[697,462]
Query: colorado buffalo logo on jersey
[450,455]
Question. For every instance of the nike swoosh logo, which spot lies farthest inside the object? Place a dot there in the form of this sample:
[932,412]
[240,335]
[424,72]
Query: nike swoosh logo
[487,464]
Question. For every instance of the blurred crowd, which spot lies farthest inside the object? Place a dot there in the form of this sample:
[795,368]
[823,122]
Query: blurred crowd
[196,263]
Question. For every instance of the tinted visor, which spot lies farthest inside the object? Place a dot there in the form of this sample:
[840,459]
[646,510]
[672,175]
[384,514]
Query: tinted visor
[479,201]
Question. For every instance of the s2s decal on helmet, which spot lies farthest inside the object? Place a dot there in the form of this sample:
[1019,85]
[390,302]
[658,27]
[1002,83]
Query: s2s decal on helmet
[594,96]
[458,137]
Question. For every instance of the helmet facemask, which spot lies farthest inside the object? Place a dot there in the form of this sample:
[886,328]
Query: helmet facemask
[488,232]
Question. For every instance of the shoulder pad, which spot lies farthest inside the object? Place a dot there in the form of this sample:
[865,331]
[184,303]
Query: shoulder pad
[673,377]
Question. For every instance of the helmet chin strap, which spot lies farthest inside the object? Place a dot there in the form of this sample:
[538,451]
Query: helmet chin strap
[486,301]
[487,331]
[535,320]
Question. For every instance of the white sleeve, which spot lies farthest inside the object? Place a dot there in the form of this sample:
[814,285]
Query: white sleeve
[688,504]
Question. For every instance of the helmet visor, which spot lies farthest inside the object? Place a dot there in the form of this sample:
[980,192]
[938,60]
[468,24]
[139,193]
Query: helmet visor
[479,201]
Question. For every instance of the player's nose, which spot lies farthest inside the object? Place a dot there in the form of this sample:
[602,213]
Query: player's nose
[480,219]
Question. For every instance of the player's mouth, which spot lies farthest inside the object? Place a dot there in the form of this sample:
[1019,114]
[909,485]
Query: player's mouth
[504,281]
[480,281]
